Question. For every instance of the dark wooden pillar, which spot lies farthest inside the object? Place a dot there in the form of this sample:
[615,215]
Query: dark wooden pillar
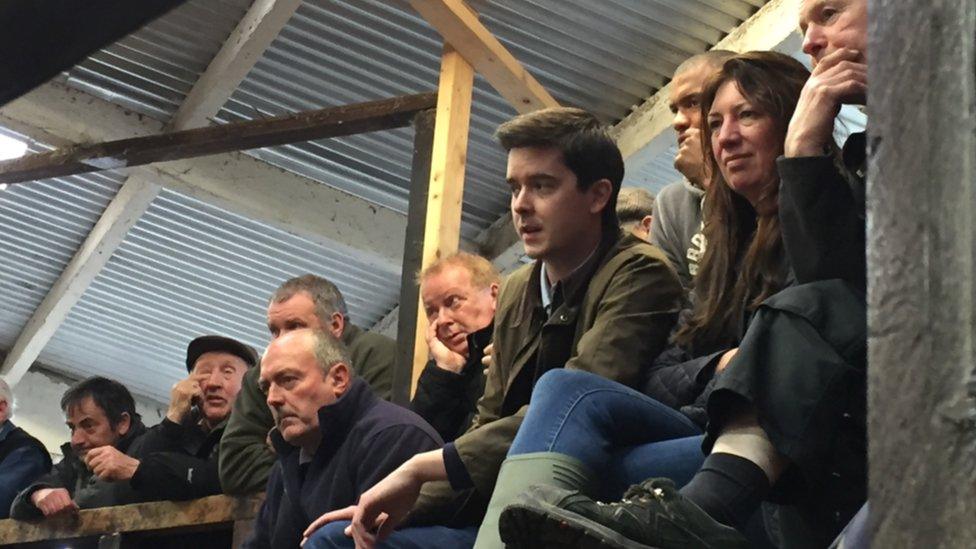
[921,248]
[413,249]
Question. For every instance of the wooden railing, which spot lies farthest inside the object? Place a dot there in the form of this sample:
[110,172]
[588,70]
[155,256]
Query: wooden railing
[112,525]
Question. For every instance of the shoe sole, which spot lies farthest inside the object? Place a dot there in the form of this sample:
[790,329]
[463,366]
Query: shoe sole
[549,527]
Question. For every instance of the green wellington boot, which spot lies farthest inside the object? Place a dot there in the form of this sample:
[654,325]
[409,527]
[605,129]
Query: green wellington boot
[652,515]
[520,472]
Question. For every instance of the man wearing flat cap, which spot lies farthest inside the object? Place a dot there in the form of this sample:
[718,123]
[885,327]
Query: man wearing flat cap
[180,454]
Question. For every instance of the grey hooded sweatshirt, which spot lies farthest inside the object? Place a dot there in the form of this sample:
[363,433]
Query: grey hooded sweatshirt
[676,228]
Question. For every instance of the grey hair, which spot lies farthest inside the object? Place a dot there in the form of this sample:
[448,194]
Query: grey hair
[633,205]
[6,395]
[329,351]
[325,295]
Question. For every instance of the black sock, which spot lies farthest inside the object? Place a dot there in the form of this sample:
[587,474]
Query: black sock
[729,488]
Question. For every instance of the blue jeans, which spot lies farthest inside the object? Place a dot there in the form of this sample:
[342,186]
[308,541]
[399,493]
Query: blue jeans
[331,536]
[625,435]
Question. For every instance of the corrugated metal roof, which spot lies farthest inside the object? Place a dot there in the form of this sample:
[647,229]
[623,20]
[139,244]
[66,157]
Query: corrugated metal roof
[187,269]
[151,70]
[42,225]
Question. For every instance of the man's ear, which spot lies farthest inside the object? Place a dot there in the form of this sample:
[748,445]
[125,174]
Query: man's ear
[494,291]
[341,377]
[600,192]
[337,325]
[646,224]
[124,424]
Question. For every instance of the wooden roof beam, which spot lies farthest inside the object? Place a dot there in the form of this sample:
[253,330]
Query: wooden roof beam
[461,28]
[57,115]
[137,151]
[242,49]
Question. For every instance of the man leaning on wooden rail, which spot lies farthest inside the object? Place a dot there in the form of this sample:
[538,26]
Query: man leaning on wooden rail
[181,453]
[105,429]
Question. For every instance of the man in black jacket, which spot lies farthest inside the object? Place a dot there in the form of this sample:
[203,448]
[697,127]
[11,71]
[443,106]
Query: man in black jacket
[180,454]
[105,431]
[460,293]
[334,438]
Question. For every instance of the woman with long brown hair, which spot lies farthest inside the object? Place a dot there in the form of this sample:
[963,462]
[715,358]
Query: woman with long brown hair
[579,424]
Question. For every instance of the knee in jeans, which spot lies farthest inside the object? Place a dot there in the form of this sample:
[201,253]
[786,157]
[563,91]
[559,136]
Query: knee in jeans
[559,378]
[330,536]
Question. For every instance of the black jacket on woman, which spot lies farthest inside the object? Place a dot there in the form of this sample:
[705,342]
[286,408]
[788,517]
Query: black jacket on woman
[803,361]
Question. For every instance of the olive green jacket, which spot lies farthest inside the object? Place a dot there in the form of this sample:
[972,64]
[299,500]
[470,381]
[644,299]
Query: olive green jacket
[245,458]
[613,325]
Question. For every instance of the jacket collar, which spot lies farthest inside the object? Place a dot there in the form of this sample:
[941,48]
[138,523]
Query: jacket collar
[349,333]
[335,420]
[573,287]
[5,429]
[477,341]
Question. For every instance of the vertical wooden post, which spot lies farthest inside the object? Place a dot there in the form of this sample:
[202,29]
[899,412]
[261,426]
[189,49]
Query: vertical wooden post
[443,225]
[413,248]
[922,273]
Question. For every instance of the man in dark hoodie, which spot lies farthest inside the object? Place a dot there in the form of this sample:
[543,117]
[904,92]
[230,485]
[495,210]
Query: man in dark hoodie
[460,293]
[334,438]
[105,429]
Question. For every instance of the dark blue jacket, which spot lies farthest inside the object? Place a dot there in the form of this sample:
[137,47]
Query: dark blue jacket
[22,460]
[363,440]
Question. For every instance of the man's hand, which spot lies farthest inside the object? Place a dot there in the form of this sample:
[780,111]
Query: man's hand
[726,358]
[487,359]
[840,78]
[445,358]
[181,398]
[53,501]
[384,506]
[110,464]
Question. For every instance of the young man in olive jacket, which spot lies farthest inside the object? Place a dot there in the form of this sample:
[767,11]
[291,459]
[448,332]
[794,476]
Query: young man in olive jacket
[595,299]
[306,301]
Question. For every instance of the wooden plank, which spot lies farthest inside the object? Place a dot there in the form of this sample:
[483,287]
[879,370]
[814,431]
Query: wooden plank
[413,248]
[443,225]
[331,122]
[242,49]
[460,27]
[58,115]
[121,214]
[137,517]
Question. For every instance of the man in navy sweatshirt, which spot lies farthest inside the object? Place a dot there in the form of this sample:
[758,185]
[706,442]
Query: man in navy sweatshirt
[334,438]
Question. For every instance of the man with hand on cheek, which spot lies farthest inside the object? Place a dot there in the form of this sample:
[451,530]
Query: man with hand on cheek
[180,455]
[104,443]
[460,293]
